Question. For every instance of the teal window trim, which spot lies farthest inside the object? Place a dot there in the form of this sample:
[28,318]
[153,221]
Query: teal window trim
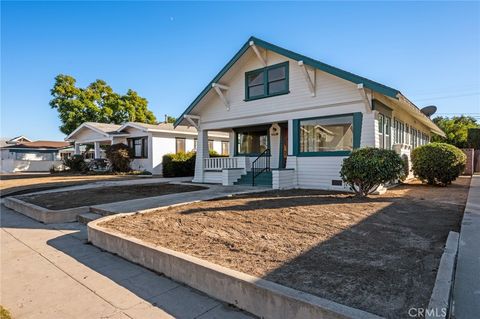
[265,81]
[249,129]
[357,135]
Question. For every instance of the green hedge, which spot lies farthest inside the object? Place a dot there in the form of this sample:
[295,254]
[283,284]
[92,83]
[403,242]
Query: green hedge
[438,163]
[177,165]
[368,168]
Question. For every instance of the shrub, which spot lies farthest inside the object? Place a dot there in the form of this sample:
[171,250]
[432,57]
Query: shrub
[367,168]
[438,163]
[76,163]
[473,139]
[177,165]
[120,157]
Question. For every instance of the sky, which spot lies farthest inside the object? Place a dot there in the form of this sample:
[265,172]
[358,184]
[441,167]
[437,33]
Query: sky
[169,51]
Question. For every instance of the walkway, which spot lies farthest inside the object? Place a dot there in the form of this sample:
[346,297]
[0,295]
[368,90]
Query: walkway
[466,294]
[49,271]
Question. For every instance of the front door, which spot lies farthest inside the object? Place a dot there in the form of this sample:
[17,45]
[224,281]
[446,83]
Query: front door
[283,146]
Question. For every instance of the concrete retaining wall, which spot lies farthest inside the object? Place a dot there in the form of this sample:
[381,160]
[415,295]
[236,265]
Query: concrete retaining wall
[255,295]
[44,215]
[439,304]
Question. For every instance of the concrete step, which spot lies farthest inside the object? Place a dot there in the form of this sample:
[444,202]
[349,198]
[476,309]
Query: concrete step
[85,218]
[100,211]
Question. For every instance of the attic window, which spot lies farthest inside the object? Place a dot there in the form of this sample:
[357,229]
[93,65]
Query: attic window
[266,82]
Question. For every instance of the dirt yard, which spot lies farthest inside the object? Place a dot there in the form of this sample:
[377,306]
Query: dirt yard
[16,184]
[379,254]
[103,195]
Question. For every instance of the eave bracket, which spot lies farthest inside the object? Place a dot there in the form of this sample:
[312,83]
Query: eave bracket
[191,119]
[258,54]
[218,88]
[309,77]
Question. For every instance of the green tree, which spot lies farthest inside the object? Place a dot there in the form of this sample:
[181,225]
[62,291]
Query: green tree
[455,128]
[171,119]
[96,103]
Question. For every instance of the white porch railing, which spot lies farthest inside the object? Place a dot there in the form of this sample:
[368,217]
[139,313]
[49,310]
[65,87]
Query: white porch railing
[219,163]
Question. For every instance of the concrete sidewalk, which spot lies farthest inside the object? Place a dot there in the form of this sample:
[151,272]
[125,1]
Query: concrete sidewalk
[49,271]
[466,293]
[142,204]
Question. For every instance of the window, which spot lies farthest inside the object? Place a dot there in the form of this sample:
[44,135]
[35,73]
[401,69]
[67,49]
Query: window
[179,145]
[210,145]
[399,129]
[139,146]
[384,130]
[225,148]
[269,81]
[326,134]
[251,142]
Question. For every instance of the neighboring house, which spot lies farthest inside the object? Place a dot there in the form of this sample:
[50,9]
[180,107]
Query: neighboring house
[296,119]
[12,141]
[38,156]
[149,142]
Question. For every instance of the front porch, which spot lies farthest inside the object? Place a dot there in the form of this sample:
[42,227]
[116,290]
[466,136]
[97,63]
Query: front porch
[258,157]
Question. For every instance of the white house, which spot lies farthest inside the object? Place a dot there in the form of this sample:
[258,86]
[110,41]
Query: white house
[149,142]
[26,156]
[291,119]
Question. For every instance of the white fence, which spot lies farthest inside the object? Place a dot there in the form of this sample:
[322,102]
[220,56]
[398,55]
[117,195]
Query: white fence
[12,165]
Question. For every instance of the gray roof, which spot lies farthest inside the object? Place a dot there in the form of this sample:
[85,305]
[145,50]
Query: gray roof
[104,127]
[166,127]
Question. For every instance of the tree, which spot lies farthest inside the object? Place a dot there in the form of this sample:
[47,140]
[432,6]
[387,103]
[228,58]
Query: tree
[456,129]
[171,119]
[96,103]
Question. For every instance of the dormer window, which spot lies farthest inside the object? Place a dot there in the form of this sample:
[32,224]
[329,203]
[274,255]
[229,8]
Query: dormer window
[266,82]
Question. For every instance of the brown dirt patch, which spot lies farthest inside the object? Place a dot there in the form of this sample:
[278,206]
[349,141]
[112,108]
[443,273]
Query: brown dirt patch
[379,254]
[104,195]
[24,183]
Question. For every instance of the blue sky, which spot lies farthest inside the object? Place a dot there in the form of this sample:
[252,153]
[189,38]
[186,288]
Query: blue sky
[168,52]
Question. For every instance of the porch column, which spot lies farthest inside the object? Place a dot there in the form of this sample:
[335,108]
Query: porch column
[97,149]
[231,143]
[76,149]
[290,137]
[202,153]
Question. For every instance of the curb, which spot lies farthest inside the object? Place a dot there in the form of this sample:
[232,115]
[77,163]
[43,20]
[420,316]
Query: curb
[258,296]
[439,305]
[44,215]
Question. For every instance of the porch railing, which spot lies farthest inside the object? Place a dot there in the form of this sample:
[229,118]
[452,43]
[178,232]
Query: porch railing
[218,163]
[261,164]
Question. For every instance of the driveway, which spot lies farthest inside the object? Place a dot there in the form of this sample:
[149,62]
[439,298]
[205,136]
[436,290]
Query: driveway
[50,271]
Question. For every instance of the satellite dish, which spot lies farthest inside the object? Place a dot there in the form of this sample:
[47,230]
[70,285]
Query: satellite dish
[429,110]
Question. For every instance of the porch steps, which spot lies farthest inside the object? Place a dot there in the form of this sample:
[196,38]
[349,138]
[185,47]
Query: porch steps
[100,211]
[87,217]
[263,179]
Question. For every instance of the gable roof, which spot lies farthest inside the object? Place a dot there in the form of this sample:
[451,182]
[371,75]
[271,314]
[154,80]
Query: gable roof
[375,86]
[105,129]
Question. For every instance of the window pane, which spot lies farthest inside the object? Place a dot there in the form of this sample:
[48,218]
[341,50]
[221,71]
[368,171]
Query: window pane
[210,145]
[180,145]
[252,142]
[255,79]
[331,134]
[276,74]
[257,90]
[277,86]
[225,150]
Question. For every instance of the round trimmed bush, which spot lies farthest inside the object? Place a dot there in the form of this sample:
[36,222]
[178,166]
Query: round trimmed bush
[368,168]
[438,163]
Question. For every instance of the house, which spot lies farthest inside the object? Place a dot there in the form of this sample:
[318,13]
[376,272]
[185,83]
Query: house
[291,119]
[149,142]
[26,156]
[12,141]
